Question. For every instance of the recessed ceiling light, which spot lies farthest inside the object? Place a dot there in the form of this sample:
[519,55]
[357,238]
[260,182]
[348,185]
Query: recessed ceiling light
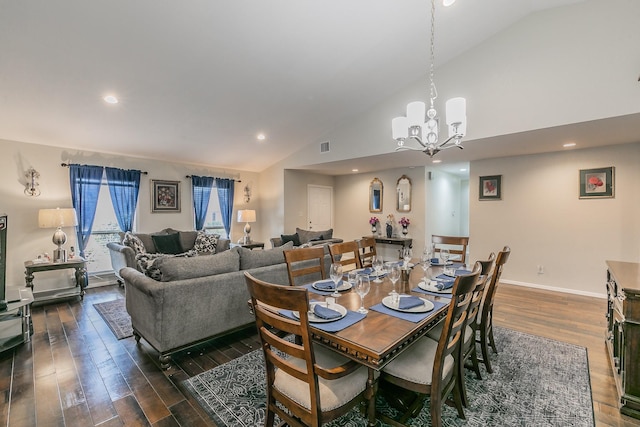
[437,161]
[261,137]
[569,144]
[447,3]
[110,99]
[354,170]
[463,170]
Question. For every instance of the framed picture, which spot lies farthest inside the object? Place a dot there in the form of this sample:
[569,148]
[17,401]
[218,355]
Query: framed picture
[597,183]
[165,196]
[490,187]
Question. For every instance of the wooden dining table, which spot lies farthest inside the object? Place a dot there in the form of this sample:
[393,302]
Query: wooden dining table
[379,338]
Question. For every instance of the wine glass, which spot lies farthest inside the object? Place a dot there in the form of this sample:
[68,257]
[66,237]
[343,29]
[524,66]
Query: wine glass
[426,259]
[377,266]
[394,276]
[445,255]
[362,289]
[336,275]
[406,256]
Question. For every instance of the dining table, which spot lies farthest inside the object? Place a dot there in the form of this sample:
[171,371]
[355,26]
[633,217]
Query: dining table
[382,334]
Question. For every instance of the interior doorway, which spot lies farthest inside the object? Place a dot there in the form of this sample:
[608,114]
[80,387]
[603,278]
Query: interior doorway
[319,207]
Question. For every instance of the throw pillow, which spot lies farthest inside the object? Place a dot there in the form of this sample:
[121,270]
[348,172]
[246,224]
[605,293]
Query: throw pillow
[290,238]
[254,259]
[133,242]
[206,243]
[146,264]
[168,243]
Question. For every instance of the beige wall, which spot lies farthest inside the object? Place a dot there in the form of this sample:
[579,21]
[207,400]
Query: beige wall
[26,240]
[295,202]
[541,218]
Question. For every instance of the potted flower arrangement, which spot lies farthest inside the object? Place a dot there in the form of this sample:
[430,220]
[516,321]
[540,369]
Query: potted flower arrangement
[389,226]
[374,221]
[404,222]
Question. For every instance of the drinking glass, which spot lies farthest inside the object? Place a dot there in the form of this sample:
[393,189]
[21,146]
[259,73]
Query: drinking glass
[394,276]
[377,266]
[406,256]
[445,255]
[426,260]
[336,275]
[352,276]
[362,289]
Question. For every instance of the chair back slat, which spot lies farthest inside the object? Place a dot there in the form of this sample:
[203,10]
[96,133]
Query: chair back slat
[346,253]
[307,264]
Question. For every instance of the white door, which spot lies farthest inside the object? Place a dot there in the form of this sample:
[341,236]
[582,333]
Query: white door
[319,207]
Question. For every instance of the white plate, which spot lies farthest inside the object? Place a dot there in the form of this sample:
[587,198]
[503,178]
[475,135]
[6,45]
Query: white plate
[428,287]
[345,286]
[427,306]
[372,274]
[315,319]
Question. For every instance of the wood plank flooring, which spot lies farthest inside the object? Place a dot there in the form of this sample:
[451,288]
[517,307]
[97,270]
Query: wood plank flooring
[74,372]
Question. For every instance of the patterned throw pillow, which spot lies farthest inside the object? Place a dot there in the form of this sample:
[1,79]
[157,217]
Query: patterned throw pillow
[134,243]
[206,243]
[148,265]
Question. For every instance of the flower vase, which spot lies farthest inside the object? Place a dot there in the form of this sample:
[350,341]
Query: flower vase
[405,231]
[373,230]
[389,231]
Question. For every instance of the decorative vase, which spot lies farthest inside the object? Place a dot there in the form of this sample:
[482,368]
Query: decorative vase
[389,231]
[373,229]
[404,230]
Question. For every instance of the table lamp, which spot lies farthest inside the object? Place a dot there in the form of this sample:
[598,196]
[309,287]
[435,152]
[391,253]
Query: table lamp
[247,215]
[58,218]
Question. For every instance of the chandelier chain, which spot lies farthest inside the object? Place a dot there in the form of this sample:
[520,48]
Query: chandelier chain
[432,86]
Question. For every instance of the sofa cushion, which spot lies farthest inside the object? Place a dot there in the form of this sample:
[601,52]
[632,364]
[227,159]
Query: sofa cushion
[167,243]
[308,235]
[206,244]
[134,242]
[174,268]
[254,259]
[187,238]
[290,238]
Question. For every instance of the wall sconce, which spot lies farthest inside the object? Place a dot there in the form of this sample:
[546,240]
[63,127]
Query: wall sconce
[31,187]
[247,194]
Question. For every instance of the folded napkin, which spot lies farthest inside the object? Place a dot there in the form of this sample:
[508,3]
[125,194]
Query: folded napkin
[326,285]
[368,270]
[444,282]
[325,313]
[461,272]
[407,302]
[434,260]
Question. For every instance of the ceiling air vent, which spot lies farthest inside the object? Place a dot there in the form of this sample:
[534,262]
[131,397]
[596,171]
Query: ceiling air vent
[324,147]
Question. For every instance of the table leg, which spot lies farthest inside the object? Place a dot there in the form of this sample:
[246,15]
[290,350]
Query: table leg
[81,279]
[372,387]
[28,277]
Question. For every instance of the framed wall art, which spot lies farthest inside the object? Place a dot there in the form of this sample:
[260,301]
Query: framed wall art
[165,196]
[490,187]
[597,183]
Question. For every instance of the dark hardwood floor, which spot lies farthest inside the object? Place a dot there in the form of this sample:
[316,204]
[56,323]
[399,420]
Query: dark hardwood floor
[74,372]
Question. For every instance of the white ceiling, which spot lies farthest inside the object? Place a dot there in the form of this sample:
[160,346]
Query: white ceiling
[199,79]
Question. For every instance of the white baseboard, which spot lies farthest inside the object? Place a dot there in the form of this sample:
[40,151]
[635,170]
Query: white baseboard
[553,288]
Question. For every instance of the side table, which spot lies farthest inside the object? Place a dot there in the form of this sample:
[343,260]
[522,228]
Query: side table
[16,320]
[252,245]
[78,264]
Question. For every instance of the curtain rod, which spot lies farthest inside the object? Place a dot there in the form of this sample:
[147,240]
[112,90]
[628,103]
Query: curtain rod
[66,165]
[234,180]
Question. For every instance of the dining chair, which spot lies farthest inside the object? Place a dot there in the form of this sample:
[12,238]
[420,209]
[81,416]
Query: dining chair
[307,384]
[367,252]
[459,245]
[429,367]
[346,253]
[486,312]
[305,262]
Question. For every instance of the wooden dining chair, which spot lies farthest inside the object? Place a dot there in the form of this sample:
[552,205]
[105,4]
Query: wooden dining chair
[346,253]
[305,262]
[456,245]
[367,252]
[429,367]
[486,312]
[307,384]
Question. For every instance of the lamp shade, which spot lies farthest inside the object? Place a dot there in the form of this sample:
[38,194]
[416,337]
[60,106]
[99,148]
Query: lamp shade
[415,113]
[54,218]
[247,215]
[399,128]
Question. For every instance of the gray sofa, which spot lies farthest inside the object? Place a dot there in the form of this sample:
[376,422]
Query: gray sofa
[123,255]
[305,238]
[198,298]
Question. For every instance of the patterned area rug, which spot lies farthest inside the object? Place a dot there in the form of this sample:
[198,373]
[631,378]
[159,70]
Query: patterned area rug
[536,382]
[115,314]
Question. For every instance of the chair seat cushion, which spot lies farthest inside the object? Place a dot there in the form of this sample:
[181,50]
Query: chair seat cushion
[415,364]
[333,393]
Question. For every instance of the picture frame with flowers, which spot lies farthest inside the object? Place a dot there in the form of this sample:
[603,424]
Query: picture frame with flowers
[597,183]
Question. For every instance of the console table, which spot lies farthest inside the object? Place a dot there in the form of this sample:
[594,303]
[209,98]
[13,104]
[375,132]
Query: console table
[623,332]
[77,263]
[401,241]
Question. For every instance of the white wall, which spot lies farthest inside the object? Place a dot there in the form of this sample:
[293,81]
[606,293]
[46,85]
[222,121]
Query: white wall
[25,240]
[541,218]
[447,207]
[295,187]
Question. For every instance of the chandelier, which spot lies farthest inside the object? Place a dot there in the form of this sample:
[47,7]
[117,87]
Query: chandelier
[421,124]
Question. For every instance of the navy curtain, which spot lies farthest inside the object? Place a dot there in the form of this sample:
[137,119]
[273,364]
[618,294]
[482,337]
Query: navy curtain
[201,187]
[85,187]
[124,186]
[225,197]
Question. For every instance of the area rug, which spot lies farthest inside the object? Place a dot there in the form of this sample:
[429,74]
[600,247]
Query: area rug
[536,382]
[115,314]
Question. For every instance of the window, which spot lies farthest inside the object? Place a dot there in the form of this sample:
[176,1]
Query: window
[105,229]
[213,223]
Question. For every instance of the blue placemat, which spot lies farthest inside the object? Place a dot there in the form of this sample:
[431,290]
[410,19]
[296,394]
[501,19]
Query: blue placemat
[411,317]
[351,318]
[435,294]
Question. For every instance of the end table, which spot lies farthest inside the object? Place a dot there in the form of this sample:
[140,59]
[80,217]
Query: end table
[78,264]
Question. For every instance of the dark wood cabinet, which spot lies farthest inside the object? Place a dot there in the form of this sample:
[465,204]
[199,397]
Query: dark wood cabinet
[623,332]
